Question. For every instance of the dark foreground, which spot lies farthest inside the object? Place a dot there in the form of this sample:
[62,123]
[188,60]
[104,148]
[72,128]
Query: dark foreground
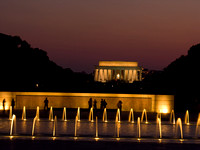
[16,144]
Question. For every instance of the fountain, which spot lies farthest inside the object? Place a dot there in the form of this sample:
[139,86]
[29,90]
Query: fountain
[10,114]
[117,119]
[91,115]
[38,113]
[187,118]
[13,124]
[51,114]
[131,116]
[144,113]
[104,115]
[179,124]
[158,116]
[197,125]
[34,125]
[107,131]
[75,126]
[78,114]
[117,127]
[138,128]
[64,116]
[24,113]
[54,126]
[172,117]
[159,128]
[96,128]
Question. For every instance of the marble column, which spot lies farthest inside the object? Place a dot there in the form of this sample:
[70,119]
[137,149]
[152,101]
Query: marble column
[124,75]
[120,74]
[105,73]
[140,75]
[96,74]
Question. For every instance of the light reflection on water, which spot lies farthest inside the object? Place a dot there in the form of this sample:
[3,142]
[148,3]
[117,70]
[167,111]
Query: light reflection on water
[105,129]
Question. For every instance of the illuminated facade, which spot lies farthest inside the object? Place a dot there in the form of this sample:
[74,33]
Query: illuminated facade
[118,70]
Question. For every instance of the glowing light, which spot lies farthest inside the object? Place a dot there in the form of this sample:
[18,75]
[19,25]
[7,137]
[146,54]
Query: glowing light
[118,75]
[165,110]
[11,137]
[160,140]
[181,140]
[53,138]
[6,107]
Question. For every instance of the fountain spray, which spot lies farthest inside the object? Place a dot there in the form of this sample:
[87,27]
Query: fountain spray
[159,127]
[24,113]
[78,114]
[187,118]
[131,116]
[197,125]
[51,114]
[91,115]
[104,115]
[179,124]
[144,112]
[54,126]
[34,125]
[172,117]
[138,128]
[13,124]
[38,113]
[117,119]
[64,116]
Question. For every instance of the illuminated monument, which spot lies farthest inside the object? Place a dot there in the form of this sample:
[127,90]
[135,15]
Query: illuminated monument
[118,70]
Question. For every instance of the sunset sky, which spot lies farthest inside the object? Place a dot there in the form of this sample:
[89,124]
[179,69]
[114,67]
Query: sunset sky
[78,33]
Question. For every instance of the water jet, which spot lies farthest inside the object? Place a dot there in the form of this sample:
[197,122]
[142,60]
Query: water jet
[91,119]
[144,113]
[64,116]
[51,114]
[131,116]
[117,118]
[38,113]
[13,125]
[104,119]
[179,124]
[24,113]
[172,117]
[187,122]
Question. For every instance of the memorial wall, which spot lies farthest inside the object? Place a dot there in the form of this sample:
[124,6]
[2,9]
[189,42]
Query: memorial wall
[150,102]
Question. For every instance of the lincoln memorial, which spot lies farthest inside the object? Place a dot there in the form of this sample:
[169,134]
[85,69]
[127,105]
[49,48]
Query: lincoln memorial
[118,70]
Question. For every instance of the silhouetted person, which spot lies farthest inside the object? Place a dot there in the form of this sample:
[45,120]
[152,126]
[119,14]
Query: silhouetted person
[95,104]
[46,102]
[13,103]
[119,105]
[90,103]
[4,101]
[104,103]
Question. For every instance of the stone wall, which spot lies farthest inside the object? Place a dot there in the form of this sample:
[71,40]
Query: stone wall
[152,103]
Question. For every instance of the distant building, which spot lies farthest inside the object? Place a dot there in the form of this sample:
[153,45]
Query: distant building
[118,70]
